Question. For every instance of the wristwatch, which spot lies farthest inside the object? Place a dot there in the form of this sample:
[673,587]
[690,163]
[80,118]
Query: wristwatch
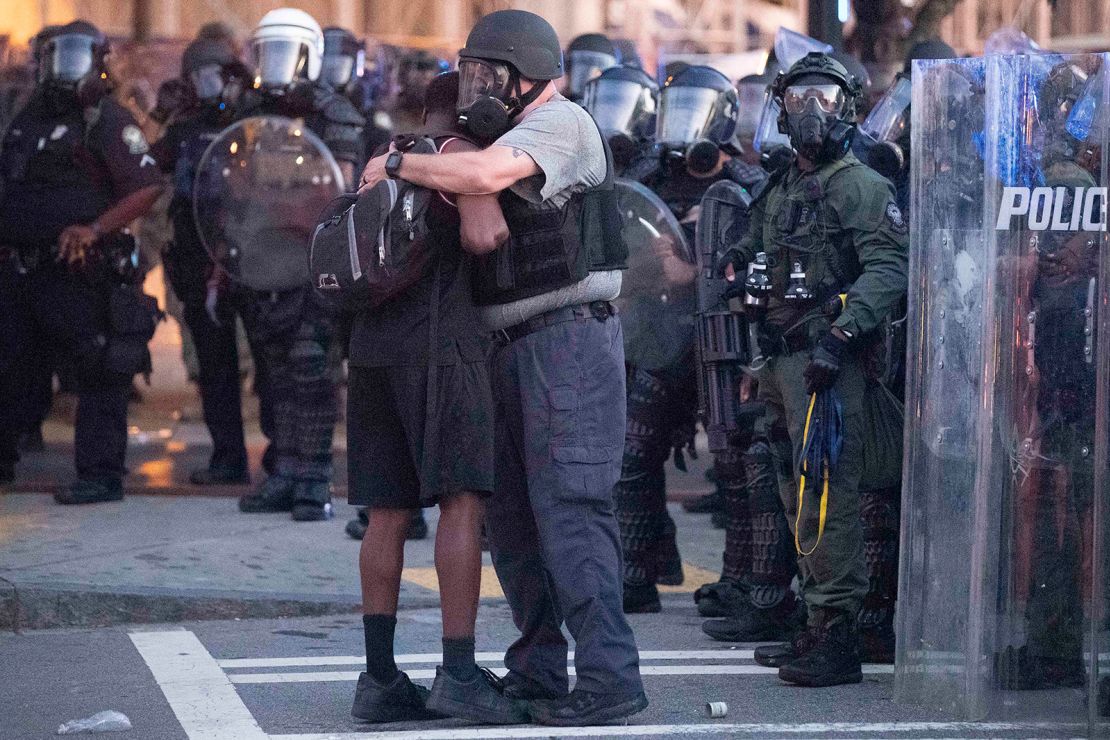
[393,164]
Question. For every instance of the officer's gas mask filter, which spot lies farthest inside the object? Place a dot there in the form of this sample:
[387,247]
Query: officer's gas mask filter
[684,127]
[71,68]
[816,118]
[490,97]
[886,128]
[757,284]
[216,86]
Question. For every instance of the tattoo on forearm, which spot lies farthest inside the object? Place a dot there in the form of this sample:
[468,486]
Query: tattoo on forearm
[517,152]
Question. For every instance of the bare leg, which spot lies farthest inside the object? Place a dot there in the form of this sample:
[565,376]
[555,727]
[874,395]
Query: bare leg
[381,558]
[458,559]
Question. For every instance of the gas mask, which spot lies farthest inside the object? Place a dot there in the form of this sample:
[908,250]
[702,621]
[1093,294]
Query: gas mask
[71,70]
[623,108]
[490,97]
[815,120]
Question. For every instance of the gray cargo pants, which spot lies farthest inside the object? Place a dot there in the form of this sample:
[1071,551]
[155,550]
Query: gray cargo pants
[559,397]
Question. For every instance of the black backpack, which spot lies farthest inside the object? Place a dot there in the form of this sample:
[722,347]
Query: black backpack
[371,247]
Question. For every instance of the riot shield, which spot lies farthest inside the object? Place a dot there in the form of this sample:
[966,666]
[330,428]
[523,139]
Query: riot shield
[724,344]
[259,189]
[656,303]
[1002,601]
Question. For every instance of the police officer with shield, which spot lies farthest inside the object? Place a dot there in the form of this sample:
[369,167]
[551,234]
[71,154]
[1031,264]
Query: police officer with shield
[75,170]
[836,247]
[291,330]
[214,79]
[623,101]
[558,370]
[696,147]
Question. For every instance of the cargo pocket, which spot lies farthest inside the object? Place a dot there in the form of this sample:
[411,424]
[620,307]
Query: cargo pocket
[564,414]
[586,474]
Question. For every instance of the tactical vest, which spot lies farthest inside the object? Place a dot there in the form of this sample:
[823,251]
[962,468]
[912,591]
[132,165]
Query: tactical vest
[46,168]
[796,230]
[553,248]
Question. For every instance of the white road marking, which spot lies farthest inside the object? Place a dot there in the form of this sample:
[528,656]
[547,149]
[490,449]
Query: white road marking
[436,658]
[813,729]
[425,673]
[197,689]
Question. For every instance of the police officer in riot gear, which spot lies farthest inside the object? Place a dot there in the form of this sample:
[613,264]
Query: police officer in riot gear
[75,170]
[623,100]
[695,147]
[287,50]
[558,375]
[214,80]
[586,57]
[835,243]
[344,70]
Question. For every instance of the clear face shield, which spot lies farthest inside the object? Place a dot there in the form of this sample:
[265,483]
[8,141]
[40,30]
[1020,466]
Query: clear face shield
[751,108]
[208,82]
[336,70]
[67,59]
[583,66]
[279,62]
[686,115]
[618,106]
[890,118]
[767,134]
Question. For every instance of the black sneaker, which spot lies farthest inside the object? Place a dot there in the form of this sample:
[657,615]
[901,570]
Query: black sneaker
[706,504]
[220,476]
[477,700]
[400,701]
[722,599]
[275,494]
[312,501]
[584,708]
[418,527]
[833,660]
[90,492]
[779,654]
[756,625]
[521,688]
[641,599]
[356,528]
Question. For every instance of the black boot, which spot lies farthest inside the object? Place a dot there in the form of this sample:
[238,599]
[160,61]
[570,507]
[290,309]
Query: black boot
[876,644]
[668,561]
[755,624]
[832,660]
[356,528]
[90,492]
[312,501]
[641,598]
[781,653]
[275,494]
[400,701]
[722,599]
[477,700]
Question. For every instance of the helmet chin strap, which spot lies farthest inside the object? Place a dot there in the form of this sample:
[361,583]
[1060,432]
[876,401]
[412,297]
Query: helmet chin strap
[519,101]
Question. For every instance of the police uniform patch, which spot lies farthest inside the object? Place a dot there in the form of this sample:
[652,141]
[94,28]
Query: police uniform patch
[134,139]
[894,215]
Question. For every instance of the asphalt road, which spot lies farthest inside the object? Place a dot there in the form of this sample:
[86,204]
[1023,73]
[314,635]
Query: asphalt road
[294,680]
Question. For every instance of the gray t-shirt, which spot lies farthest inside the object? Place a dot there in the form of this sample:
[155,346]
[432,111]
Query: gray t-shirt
[565,143]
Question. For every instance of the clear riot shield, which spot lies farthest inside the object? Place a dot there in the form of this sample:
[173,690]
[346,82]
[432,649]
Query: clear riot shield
[259,189]
[1002,608]
[724,343]
[656,303]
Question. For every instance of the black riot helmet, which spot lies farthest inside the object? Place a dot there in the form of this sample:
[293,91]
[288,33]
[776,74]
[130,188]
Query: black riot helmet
[623,101]
[818,97]
[503,48]
[71,58]
[586,57]
[208,66]
[344,58]
[698,112]
[928,49]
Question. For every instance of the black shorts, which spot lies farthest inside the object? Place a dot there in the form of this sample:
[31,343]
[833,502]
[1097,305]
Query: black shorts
[386,412]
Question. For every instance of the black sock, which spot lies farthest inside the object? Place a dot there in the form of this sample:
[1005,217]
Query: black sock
[378,630]
[458,658]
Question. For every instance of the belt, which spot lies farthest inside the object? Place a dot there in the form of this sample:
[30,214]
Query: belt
[599,310]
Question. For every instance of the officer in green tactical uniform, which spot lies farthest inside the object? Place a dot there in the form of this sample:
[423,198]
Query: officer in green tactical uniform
[835,244]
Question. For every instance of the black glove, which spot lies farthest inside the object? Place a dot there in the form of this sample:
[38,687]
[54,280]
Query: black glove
[824,364]
[736,259]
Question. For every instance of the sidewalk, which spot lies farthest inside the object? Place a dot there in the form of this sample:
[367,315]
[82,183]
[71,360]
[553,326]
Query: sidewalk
[176,558]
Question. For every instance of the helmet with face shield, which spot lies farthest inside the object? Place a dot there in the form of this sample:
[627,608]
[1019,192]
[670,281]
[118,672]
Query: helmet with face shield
[698,113]
[344,58]
[208,66]
[287,48]
[623,101]
[71,60]
[883,138]
[586,57]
